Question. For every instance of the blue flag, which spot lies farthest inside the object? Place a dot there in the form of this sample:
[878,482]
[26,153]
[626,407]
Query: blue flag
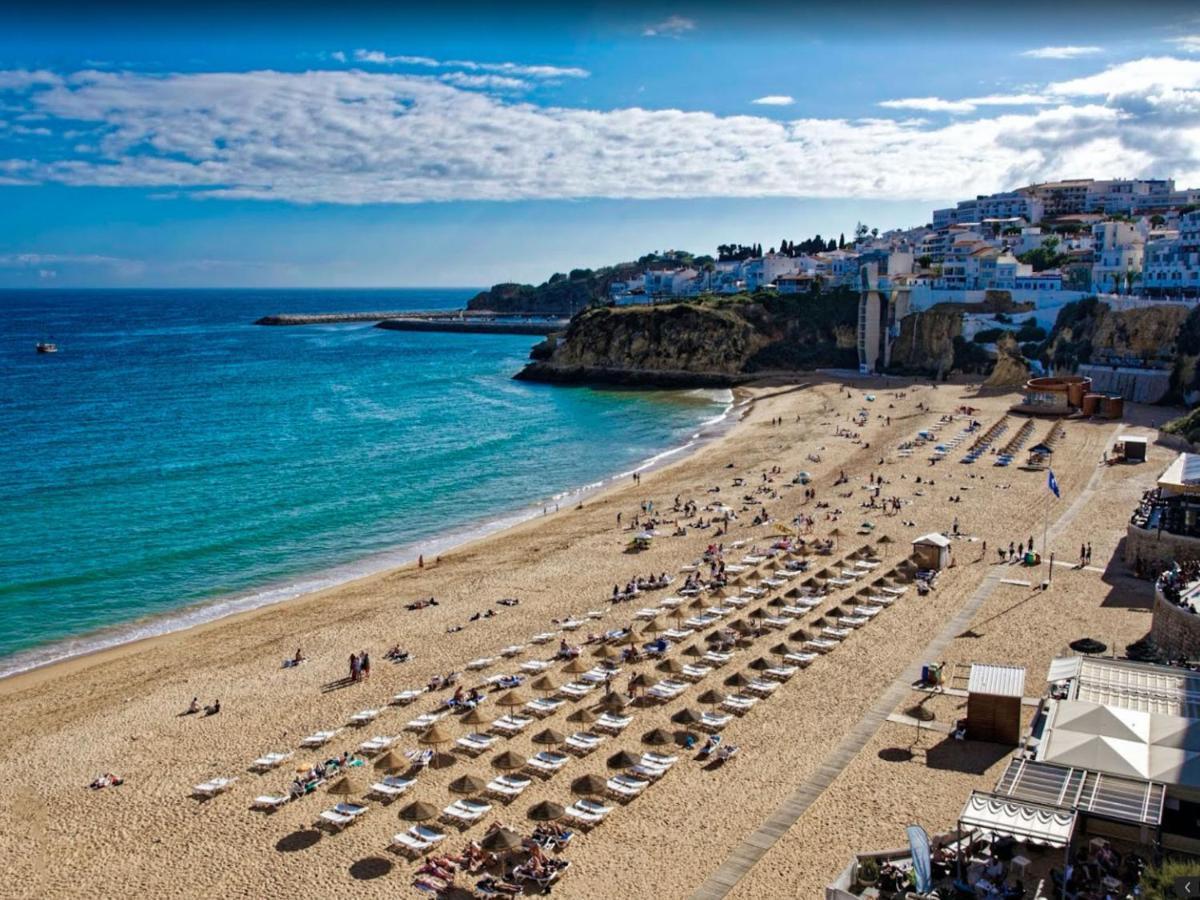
[1052,483]
[918,843]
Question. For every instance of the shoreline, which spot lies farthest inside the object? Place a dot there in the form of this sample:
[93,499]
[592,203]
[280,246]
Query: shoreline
[114,640]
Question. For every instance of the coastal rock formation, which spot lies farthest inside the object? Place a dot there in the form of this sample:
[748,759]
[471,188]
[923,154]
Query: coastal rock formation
[926,342]
[705,342]
[1010,370]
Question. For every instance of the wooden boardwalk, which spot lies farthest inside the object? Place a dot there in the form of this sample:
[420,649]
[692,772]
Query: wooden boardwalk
[751,850]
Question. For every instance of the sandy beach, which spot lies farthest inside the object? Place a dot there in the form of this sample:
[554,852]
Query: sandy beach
[120,711]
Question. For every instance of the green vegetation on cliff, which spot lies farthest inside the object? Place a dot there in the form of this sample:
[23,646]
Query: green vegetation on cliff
[567,294]
[1187,425]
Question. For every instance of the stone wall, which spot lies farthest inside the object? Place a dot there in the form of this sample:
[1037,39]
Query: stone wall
[1175,631]
[1163,549]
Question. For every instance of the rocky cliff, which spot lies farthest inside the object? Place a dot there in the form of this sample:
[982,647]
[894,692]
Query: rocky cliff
[1010,370]
[926,342]
[710,341]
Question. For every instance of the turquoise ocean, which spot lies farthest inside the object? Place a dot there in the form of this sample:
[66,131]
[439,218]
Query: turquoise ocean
[174,462]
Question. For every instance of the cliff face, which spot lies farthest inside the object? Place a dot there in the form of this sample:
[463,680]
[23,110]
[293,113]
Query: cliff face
[1089,330]
[1010,370]
[712,341]
[926,341]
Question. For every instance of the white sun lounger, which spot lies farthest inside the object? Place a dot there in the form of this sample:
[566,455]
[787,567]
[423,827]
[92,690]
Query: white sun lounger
[364,717]
[482,663]
[548,762]
[341,815]
[466,811]
[819,645]
[752,560]
[508,786]
[545,706]
[512,650]
[650,773]
[853,621]
[694,672]
[626,786]
[868,612]
[213,787]
[835,634]
[582,816]
[270,761]
[661,760]
[762,686]
[795,612]
[583,742]
[543,638]
[392,786]
[417,840]
[599,675]
[716,658]
[423,721]
[776,621]
[533,666]
[800,659]
[738,602]
[576,690]
[377,744]
[511,724]
[714,721]
[611,723]
[406,697]
[774,582]
[595,614]
[894,591]
[320,738]
[270,801]
[754,592]
[678,634]
[781,673]
[476,743]
[840,582]
[739,704]
[649,612]
[572,624]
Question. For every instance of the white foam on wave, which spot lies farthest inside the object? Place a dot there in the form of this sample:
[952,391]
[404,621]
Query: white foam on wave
[218,608]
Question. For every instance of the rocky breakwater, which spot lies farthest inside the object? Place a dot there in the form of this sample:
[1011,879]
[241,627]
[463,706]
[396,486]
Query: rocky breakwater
[701,343]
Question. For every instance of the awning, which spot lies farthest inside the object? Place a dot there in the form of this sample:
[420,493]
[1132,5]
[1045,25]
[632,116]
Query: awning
[1183,475]
[1108,796]
[1030,823]
[1064,668]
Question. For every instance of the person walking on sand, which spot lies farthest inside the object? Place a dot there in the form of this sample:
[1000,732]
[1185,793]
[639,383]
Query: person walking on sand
[353,667]
[1082,555]
[364,665]
[1089,553]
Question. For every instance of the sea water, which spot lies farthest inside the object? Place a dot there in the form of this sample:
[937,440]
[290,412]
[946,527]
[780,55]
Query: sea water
[174,462]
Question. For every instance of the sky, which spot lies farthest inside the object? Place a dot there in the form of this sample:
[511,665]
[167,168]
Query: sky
[401,145]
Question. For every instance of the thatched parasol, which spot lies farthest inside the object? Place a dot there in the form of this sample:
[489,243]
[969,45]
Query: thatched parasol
[509,761]
[545,685]
[781,650]
[759,664]
[475,717]
[434,736]
[614,702]
[546,812]
[390,762]
[583,716]
[638,680]
[419,812]
[512,698]
[657,738]
[576,666]
[673,666]
[502,840]
[737,679]
[467,784]
[346,786]
[549,736]
[758,613]
[622,760]
[606,652]
[693,651]
[589,786]
[686,716]
[712,697]
[655,627]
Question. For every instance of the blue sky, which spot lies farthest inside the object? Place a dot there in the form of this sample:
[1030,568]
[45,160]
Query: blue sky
[384,146]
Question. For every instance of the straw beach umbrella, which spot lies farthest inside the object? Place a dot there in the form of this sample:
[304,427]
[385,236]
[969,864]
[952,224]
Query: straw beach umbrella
[589,786]
[686,716]
[475,717]
[434,736]
[712,697]
[673,666]
[502,840]
[693,651]
[419,812]
[759,664]
[657,738]
[511,699]
[654,627]
[614,702]
[467,784]
[622,760]
[546,812]
[346,786]
[781,649]
[737,679]
[390,762]
[549,736]
[509,761]
[545,685]
[576,667]
[606,652]
[583,716]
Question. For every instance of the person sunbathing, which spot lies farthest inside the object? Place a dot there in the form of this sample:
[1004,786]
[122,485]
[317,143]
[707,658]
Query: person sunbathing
[214,709]
[193,707]
[499,886]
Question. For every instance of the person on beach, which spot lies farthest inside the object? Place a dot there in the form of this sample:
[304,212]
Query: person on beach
[421,561]
[353,667]
[193,707]
[364,665]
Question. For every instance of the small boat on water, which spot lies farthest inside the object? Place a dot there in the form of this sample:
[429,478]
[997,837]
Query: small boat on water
[44,347]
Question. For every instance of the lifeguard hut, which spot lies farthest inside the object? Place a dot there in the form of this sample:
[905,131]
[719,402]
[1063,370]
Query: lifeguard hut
[1130,448]
[994,696]
[932,551]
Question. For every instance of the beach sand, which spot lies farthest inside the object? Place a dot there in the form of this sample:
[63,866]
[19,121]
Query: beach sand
[119,711]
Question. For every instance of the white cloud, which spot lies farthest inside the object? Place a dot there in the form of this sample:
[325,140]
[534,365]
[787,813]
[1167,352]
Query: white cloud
[338,56]
[775,100]
[378,57]
[1189,43]
[1067,52]
[41,262]
[484,82]
[355,137]
[672,26]
[970,104]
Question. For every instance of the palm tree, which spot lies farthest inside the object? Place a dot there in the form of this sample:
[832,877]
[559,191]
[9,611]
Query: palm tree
[1129,278]
[1116,281]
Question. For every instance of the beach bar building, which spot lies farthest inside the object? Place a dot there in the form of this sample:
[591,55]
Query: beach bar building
[994,696]
[932,551]
[1166,525]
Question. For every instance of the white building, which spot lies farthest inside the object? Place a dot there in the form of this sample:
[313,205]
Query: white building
[1118,248]
[1171,266]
